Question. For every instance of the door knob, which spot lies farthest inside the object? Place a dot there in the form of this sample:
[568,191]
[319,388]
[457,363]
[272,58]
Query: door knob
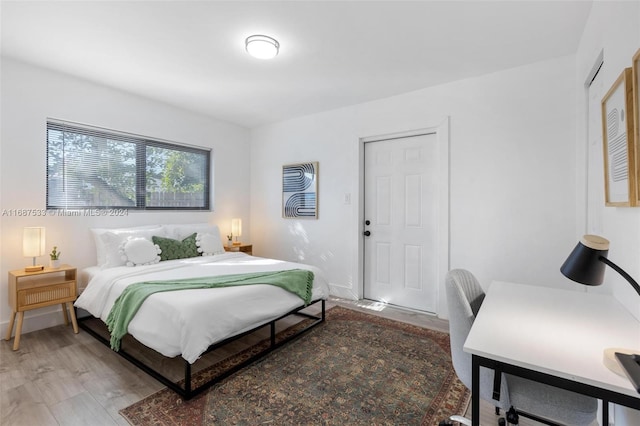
[367,222]
[366,233]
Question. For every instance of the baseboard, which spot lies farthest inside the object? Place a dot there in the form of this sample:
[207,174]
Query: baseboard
[342,292]
[36,320]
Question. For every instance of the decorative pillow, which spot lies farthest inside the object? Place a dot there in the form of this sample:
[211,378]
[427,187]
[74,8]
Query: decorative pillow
[209,244]
[112,242]
[174,249]
[101,249]
[139,251]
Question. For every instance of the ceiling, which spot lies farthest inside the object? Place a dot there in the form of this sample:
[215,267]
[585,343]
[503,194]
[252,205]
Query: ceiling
[333,53]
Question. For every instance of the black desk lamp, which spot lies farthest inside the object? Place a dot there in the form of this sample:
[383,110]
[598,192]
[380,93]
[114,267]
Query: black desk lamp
[586,265]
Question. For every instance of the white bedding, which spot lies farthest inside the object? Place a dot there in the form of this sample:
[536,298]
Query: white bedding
[187,322]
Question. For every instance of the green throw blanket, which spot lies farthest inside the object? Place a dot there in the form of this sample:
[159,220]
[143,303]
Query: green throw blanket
[297,281]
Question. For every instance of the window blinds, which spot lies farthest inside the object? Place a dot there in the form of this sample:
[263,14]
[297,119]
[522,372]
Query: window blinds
[91,167]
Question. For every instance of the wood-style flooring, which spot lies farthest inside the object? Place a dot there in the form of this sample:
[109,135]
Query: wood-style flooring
[61,378]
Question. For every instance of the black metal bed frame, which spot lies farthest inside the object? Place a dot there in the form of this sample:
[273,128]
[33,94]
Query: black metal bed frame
[186,391]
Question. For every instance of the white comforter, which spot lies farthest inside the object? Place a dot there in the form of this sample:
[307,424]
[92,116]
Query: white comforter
[187,322]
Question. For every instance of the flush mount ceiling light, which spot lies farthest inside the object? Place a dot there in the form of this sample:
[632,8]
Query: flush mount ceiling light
[262,46]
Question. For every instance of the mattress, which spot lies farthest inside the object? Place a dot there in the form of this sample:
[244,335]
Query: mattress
[187,322]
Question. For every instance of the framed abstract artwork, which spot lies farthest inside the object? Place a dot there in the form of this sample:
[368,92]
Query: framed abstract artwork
[636,105]
[619,148]
[300,191]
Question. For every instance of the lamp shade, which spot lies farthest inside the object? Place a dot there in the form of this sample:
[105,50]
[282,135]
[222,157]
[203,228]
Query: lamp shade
[33,241]
[262,46]
[236,227]
[584,264]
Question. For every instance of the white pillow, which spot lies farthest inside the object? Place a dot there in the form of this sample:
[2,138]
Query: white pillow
[101,250]
[139,251]
[112,242]
[209,244]
[181,231]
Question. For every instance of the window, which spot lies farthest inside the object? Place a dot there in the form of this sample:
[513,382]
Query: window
[89,167]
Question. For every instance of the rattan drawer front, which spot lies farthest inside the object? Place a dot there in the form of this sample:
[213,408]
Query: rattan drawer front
[44,296]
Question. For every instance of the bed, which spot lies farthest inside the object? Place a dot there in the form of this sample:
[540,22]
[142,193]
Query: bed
[190,323]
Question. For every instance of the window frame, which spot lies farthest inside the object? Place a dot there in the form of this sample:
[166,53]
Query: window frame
[141,145]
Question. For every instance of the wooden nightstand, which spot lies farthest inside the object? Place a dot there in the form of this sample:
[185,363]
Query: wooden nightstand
[244,248]
[33,290]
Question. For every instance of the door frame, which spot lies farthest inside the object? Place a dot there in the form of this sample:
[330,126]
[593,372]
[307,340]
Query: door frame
[441,130]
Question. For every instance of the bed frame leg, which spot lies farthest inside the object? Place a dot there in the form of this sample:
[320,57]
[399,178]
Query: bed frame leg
[273,333]
[187,379]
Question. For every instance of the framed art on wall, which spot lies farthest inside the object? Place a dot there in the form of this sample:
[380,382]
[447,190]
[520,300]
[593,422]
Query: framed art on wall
[619,149]
[300,190]
[636,104]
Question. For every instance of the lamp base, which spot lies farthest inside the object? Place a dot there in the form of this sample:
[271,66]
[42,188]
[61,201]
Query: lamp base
[34,268]
[631,366]
[625,363]
[610,361]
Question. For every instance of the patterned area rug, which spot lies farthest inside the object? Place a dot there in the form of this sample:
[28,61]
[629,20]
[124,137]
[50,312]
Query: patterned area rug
[355,369]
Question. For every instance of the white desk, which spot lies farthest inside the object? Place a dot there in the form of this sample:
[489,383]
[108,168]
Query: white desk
[553,336]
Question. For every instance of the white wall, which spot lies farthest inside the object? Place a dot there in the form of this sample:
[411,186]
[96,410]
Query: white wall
[613,27]
[29,96]
[512,195]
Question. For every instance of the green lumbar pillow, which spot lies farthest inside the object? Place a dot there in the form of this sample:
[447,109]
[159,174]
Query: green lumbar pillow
[174,249]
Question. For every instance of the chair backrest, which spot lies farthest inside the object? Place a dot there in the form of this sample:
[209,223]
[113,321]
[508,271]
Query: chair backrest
[464,297]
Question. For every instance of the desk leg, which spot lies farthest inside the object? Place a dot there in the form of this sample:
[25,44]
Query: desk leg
[475,391]
[605,413]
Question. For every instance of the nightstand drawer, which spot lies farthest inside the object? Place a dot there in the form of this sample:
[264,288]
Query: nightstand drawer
[51,294]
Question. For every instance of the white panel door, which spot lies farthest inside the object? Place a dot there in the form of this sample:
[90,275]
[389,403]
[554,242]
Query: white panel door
[401,221]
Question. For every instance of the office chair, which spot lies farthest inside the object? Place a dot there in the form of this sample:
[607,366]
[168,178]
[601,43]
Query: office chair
[519,396]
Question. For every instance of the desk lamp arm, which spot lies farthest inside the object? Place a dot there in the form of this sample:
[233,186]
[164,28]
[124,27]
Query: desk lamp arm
[619,270]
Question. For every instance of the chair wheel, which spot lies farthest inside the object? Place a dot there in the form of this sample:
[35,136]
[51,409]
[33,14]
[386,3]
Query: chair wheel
[445,423]
[502,422]
[512,416]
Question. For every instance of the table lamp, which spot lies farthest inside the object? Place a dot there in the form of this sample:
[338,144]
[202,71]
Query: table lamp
[236,230]
[33,246]
[586,265]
